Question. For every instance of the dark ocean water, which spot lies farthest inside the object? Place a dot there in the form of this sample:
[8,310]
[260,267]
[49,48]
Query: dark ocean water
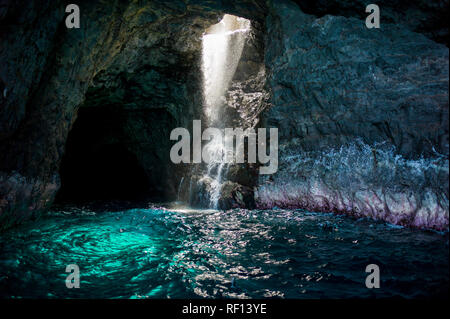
[157,253]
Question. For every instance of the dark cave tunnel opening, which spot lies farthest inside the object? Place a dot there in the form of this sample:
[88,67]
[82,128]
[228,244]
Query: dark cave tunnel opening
[97,164]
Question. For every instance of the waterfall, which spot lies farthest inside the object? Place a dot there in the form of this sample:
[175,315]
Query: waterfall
[222,49]
[179,188]
[215,169]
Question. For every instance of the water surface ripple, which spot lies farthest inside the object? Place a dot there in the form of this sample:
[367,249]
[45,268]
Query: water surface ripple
[156,253]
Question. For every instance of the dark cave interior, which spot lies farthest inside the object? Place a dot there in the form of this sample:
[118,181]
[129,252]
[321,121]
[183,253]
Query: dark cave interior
[97,163]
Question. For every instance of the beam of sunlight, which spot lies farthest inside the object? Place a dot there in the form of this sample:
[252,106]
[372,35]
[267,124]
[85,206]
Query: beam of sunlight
[221,52]
[222,49]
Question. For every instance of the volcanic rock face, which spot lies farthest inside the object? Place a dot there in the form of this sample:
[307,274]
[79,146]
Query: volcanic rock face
[427,17]
[362,114]
[363,118]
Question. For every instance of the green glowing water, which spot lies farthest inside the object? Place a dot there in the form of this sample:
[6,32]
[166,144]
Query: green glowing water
[155,253]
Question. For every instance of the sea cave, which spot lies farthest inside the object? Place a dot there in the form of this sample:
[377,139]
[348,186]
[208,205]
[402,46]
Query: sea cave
[94,171]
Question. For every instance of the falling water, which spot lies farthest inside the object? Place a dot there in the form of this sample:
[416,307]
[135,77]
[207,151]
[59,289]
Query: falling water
[222,48]
[215,169]
[179,188]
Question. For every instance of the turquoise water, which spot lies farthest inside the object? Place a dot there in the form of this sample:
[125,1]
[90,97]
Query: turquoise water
[158,253]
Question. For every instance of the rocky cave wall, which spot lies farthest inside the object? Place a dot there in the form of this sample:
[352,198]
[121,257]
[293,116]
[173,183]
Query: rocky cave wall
[150,87]
[363,118]
[362,114]
[422,16]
